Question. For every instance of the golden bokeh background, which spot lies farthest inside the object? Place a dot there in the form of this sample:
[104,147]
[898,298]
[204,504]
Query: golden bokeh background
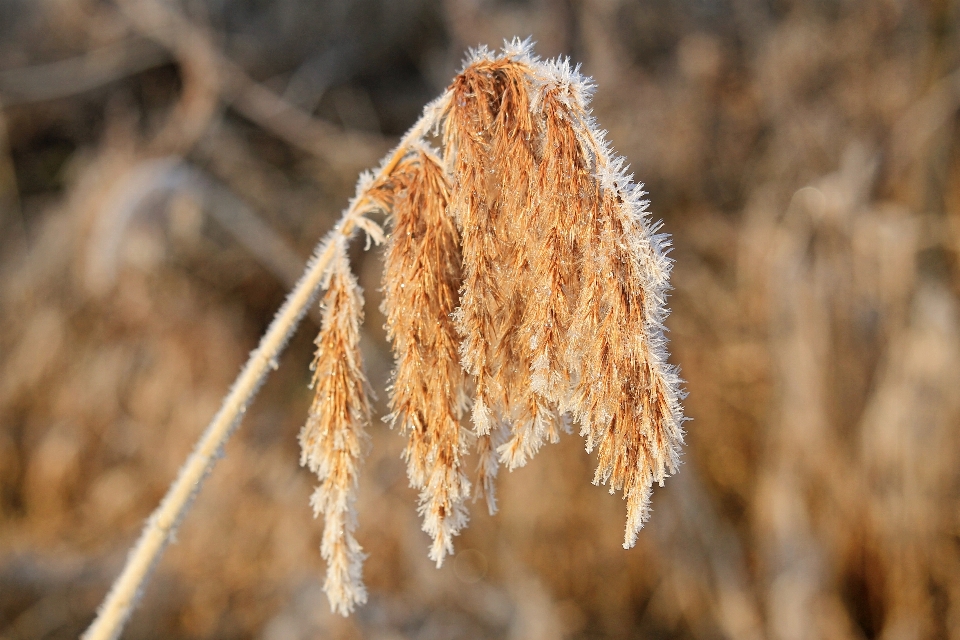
[167,166]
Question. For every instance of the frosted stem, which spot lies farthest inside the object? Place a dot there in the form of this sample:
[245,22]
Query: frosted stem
[123,595]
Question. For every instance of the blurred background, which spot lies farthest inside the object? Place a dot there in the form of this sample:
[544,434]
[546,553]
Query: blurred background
[167,166]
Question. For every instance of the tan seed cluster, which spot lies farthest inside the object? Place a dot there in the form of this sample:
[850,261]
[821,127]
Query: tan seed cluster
[333,438]
[524,287]
[421,292]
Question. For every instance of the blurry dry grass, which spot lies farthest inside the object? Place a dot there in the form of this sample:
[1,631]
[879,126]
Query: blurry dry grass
[805,157]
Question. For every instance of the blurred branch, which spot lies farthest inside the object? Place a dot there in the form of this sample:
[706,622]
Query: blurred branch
[169,32]
[916,127]
[169,175]
[251,99]
[298,128]
[9,193]
[82,73]
[317,73]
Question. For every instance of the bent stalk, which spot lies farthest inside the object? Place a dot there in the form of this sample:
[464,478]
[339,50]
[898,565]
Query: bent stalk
[123,595]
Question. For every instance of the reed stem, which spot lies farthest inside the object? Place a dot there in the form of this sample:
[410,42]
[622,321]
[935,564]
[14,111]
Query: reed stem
[126,589]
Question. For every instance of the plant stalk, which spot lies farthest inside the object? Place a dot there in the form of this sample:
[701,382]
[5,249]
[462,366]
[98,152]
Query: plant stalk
[119,603]
[126,589]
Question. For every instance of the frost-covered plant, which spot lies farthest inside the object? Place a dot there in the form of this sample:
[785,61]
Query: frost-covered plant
[524,286]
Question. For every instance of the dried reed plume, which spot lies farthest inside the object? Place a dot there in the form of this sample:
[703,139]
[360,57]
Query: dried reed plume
[522,279]
[333,438]
[521,266]
[421,284]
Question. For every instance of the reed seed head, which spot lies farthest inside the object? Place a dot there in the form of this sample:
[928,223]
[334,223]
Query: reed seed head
[524,287]
[333,438]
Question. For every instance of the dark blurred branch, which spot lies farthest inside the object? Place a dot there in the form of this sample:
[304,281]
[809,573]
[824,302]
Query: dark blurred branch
[171,35]
[9,193]
[165,176]
[916,127]
[251,99]
[82,73]
[318,73]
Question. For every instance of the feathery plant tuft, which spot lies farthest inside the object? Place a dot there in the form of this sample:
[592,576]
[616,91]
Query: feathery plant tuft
[332,439]
[524,287]
[524,291]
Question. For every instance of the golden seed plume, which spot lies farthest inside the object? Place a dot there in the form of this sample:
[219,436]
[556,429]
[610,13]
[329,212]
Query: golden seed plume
[333,438]
[522,278]
[472,112]
[421,284]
